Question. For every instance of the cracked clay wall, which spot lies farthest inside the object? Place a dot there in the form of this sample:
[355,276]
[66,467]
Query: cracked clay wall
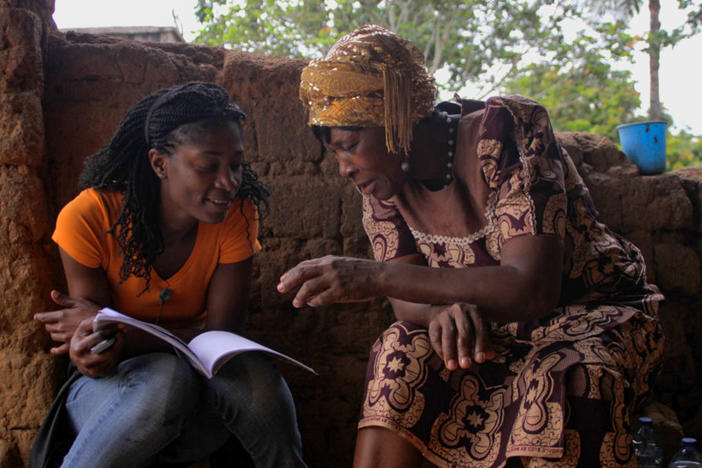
[62,97]
[26,374]
[92,81]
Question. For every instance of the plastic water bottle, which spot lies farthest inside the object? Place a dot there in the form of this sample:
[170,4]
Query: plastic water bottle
[648,453]
[687,456]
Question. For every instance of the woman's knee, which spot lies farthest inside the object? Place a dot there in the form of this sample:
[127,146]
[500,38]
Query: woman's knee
[150,392]
[403,327]
[250,382]
[163,382]
[156,369]
[401,353]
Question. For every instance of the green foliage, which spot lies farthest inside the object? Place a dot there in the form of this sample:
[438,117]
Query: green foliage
[512,46]
[656,38]
[694,14]
[662,38]
[594,99]
[467,37]
[683,150]
[584,94]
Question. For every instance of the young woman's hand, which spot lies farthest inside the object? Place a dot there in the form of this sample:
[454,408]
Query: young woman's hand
[331,279]
[460,336]
[62,324]
[84,338]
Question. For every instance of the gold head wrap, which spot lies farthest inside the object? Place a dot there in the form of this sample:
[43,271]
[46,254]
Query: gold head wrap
[370,78]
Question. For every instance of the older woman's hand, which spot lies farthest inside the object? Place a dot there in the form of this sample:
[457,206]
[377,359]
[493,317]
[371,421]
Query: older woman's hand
[458,330]
[331,279]
[84,338]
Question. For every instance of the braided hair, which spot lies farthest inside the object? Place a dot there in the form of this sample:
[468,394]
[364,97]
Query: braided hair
[161,121]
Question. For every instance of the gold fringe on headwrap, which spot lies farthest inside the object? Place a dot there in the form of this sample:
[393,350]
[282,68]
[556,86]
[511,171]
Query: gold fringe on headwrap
[370,78]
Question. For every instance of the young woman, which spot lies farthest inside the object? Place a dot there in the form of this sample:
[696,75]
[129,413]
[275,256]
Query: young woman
[165,231]
[526,331]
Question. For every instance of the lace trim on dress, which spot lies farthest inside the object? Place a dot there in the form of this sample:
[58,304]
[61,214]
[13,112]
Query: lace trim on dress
[467,240]
[420,236]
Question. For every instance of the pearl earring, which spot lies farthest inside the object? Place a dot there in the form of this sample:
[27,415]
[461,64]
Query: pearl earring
[405,166]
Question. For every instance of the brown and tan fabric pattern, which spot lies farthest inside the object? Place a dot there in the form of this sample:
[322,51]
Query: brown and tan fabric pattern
[562,388]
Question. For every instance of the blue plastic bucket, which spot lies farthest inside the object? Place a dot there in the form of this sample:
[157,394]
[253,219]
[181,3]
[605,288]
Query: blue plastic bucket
[644,145]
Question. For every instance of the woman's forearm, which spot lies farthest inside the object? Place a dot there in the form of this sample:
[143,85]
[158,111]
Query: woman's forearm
[525,285]
[414,287]
[501,293]
[419,314]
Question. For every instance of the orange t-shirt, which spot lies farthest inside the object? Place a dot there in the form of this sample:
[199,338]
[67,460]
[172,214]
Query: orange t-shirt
[81,230]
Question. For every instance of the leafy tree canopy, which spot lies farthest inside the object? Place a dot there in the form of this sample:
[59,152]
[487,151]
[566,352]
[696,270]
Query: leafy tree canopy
[587,97]
[624,9]
[468,38]
[559,52]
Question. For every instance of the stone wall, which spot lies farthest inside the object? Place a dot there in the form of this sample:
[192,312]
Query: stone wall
[92,81]
[66,99]
[26,375]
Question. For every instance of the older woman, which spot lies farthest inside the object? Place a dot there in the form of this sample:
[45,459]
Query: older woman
[526,331]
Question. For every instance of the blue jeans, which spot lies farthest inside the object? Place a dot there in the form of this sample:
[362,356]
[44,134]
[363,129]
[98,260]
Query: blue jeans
[156,408]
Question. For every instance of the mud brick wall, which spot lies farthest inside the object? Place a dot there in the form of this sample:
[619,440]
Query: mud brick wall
[92,81]
[61,98]
[26,375]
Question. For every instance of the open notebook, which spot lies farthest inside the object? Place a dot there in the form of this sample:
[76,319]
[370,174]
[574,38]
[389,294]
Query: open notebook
[207,352]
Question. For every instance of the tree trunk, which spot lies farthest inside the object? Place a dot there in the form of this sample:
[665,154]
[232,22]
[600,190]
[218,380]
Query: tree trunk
[654,52]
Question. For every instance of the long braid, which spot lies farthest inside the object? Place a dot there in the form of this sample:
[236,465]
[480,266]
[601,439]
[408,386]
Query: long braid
[123,165]
[254,190]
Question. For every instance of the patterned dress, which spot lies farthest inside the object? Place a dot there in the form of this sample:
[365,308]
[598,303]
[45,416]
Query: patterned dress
[562,388]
